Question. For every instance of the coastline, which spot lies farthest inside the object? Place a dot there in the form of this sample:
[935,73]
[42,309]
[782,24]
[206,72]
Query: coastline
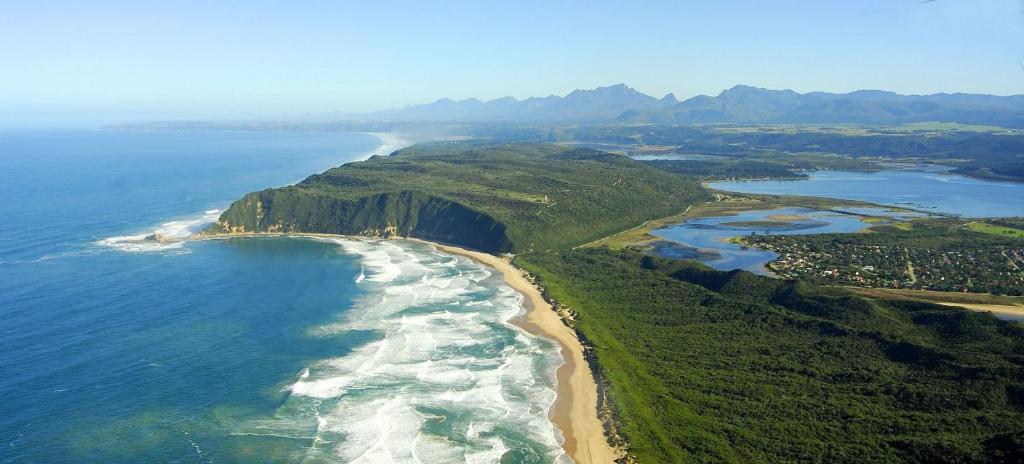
[575,408]
[574,411]
[173,233]
[389,143]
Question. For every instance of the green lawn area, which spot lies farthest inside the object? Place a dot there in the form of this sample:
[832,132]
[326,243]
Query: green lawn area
[993,229]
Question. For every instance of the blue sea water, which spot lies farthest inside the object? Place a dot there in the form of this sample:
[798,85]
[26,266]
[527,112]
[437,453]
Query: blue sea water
[241,350]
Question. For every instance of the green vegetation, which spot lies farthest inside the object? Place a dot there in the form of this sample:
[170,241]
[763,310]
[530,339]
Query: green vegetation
[941,255]
[995,229]
[931,296]
[757,224]
[727,168]
[727,204]
[700,365]
[707,366]
[982,150]
[936,126]
[760,164]
[490,197]
[1011,222]
[995,154]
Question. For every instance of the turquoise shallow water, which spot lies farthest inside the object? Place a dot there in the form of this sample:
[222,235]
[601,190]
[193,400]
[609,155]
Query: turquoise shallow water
[926,189]
[706,238]
[241,350]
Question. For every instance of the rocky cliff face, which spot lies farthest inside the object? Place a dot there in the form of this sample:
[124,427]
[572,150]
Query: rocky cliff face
[390,214]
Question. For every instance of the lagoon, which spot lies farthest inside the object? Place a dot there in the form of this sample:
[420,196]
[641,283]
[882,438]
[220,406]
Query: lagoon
[925,190]
[706,239]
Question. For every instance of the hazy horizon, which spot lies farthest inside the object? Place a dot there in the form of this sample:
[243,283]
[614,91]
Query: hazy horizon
[116,61]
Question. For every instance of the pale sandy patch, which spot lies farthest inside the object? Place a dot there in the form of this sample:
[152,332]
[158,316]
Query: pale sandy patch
[1008,310]
[575,409]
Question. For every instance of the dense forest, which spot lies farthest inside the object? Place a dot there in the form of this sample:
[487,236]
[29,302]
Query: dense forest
[698,365]
[708,366]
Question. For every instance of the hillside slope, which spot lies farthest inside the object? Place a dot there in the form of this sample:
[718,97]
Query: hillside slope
[489,197]
[709,366]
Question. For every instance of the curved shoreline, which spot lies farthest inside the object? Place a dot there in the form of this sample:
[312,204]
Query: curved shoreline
[575,408]
[574,411]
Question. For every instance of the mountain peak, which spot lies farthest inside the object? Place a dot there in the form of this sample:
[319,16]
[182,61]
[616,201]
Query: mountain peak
[616,89]
[740,104]
[751,90]
[740,88]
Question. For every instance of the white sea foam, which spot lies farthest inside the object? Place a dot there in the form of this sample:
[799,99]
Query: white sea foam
[172,235]
[168,236]
[389,142]
[448,379]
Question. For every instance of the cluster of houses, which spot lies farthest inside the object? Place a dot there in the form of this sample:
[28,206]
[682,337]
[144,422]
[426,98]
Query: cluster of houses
[981,269]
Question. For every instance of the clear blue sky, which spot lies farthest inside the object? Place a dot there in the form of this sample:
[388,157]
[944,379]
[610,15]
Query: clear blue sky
[148,59]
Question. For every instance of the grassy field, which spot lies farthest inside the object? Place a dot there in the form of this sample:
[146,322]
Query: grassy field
[936,126]
[640,235]
[993,229]
[938,297]
[728,204]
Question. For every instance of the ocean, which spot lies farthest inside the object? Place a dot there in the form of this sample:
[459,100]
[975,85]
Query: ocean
[245,349]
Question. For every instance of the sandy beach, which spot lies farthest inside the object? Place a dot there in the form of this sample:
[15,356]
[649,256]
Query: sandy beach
[389,142]
[1005,306]
[998,309]
[575,409]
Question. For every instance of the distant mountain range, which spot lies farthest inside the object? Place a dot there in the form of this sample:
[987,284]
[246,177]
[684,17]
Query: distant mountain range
[740,105]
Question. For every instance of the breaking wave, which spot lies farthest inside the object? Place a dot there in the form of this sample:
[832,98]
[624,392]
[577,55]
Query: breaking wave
[447,379]
[168,236]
